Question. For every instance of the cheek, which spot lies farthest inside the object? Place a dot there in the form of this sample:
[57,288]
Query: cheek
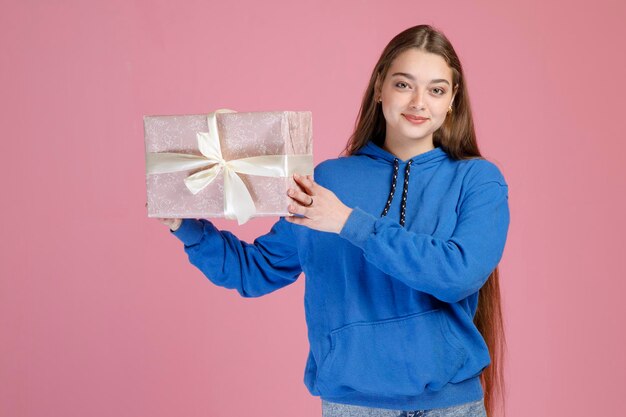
[394,104]
[440,119]
[440,111]
[387,109]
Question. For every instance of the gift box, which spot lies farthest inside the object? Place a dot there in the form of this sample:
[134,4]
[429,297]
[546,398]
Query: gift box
[227,164]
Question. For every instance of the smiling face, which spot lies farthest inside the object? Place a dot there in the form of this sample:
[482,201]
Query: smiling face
[418,84]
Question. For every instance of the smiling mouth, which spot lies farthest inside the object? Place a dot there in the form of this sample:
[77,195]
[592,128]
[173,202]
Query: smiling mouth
[415,119]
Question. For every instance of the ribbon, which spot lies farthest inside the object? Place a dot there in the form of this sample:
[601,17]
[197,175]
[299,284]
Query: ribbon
[238,203]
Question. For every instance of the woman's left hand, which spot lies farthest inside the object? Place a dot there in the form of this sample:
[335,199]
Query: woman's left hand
[321,208]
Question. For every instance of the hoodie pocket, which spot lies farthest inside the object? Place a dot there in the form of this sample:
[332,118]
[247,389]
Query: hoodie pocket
[399,356]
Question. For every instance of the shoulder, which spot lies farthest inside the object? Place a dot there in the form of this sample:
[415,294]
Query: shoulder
[479,171]
[483,179]
[330,168]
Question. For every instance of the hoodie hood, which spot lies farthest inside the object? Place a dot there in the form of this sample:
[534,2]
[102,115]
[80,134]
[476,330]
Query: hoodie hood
[374,151]
[424,159]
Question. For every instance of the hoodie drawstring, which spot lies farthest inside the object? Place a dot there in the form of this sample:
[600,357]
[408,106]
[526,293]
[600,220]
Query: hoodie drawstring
[405,190]
[393,187]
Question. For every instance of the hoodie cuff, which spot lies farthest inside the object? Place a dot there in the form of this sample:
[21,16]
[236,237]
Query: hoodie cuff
[189,232]
[358,227]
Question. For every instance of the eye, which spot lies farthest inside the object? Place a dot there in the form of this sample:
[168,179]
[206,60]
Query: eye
[401,83]
[439,89]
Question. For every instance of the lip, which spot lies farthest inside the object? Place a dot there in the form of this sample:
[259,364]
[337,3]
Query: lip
[414,119]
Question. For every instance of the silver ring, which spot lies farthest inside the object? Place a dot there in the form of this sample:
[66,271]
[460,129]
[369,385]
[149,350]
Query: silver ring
[311,203]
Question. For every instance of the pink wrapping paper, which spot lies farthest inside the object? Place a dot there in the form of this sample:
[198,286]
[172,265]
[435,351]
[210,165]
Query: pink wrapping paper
[241,135]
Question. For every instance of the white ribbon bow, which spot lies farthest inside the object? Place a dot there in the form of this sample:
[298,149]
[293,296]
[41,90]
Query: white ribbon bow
[238,203]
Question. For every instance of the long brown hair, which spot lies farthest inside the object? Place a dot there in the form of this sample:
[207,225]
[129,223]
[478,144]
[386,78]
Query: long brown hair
[457,137]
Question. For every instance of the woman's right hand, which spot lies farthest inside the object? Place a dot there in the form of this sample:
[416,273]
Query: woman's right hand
[173,224]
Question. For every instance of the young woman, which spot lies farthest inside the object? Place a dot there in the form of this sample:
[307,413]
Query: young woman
[399,239]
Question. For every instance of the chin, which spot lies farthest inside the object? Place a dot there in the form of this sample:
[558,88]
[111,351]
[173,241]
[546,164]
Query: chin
[415,131]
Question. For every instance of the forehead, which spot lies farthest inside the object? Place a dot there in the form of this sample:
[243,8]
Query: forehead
[424,66]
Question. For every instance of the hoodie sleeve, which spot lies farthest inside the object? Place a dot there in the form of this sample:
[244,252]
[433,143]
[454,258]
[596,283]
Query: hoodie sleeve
[449,269]
[256,269]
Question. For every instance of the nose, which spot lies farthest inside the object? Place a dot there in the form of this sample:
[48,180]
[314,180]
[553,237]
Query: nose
[416,100]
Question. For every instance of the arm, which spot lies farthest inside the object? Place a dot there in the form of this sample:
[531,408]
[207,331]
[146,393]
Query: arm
[256,269]
[449,269]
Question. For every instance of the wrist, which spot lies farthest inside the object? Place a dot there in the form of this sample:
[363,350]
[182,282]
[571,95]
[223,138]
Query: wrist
[344,218]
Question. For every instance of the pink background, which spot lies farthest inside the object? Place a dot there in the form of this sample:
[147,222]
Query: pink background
[102,315]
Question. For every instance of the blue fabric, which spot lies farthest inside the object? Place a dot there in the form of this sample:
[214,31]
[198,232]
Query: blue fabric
[389,308]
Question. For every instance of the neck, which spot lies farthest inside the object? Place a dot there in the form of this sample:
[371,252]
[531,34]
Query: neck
[407,150]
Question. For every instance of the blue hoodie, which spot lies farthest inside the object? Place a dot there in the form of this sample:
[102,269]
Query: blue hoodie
[390,300]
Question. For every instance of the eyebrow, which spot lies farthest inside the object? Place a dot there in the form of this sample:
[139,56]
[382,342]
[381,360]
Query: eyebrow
[412,78]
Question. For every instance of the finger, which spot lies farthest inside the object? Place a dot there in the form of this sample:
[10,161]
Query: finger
[308,180]
[296,220]
[297,209]
[303,182]
[299,197]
